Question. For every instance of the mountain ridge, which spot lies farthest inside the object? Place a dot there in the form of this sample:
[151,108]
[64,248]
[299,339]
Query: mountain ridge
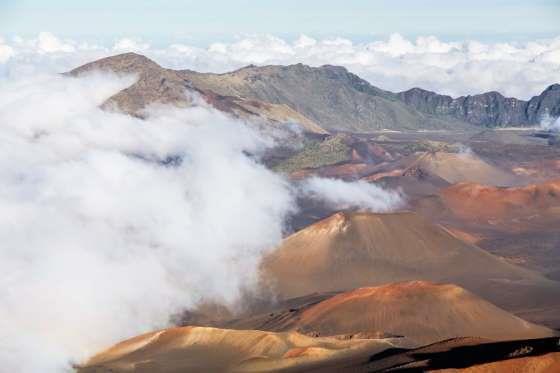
[322,99]
[158,85]
[329,95]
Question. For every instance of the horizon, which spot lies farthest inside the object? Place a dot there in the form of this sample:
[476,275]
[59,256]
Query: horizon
[395,63]
[453,49]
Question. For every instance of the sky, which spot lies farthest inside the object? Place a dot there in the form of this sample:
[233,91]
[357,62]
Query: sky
[205,21]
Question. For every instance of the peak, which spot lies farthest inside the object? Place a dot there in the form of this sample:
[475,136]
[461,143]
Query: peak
[296,67]
[333,223]
[121,63]
[418,90]
[247,67]
[340,217]
[334,68]
[552,87]
[128,55]
[341,220]
[131,56]
[493,94]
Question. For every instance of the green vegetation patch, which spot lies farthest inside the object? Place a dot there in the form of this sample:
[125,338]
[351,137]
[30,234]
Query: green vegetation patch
[434,146]
[317,154]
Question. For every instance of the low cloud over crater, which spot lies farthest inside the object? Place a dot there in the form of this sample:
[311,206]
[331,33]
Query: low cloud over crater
[111,224]
[103,234]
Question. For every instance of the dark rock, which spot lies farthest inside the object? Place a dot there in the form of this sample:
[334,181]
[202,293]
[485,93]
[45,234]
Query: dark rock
[489,109]
[547,103]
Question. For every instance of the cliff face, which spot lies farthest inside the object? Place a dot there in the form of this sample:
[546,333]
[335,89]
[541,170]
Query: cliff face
[489,109]
[547,102]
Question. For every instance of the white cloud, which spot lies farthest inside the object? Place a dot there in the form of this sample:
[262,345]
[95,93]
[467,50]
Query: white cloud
[340,194]
[48,43]
[549,123]
[101,239]
[6,52]
[456,68]
[130,45]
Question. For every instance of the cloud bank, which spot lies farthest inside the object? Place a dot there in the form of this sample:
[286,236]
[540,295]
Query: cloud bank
[455,68]
[549,123]
[340,194]
[109,223]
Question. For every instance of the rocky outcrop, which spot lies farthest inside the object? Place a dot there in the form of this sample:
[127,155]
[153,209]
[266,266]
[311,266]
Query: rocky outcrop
[489,109]
[547,103]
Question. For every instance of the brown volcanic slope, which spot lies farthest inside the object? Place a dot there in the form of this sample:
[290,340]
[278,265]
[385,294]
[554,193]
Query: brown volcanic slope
[423,174]
[157,85]
[349,250]
[199,349]
[460,167]
[423,311]
[520,223]
[511,209]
